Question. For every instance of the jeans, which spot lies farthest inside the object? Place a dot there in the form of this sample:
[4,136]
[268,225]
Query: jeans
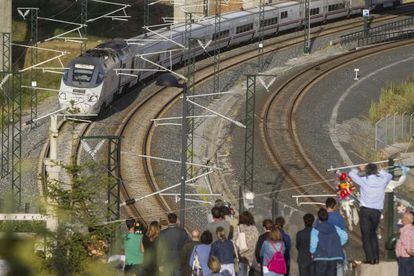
[369,220]
[243,269]
[134,270]
[325,268]
[306,270]
[406,266]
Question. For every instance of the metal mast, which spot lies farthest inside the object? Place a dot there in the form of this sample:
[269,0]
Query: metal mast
[216,54]
[5,107]
[306,27]
[260,60]
[249,138]
[84,21]
[34,12]
[190,64]
[146,15]
[16,135]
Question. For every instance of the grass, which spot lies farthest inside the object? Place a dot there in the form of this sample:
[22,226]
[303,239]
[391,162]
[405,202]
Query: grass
[396,98]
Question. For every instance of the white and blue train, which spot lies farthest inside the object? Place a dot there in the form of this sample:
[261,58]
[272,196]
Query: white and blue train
[90,82]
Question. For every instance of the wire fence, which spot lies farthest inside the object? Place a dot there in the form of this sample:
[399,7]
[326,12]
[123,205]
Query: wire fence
[396,128]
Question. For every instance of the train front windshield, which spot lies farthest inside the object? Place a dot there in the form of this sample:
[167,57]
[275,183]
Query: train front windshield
[83,72]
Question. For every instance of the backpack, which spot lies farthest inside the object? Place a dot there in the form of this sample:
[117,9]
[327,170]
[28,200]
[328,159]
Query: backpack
[278,263]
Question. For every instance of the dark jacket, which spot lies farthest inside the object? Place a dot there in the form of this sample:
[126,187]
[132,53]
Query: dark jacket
[288,244]
[259,245]
[171,241]
[185,257]
[327,241]
[150,255]
[223,251]
[303,245]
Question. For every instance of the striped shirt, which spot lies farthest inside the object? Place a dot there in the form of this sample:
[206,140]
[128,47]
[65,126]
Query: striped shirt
[405,243]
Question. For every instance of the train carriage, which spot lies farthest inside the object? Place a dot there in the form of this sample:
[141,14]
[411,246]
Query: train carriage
[93,80]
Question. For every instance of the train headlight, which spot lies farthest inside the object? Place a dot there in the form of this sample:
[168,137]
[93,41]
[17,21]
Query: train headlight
[62,96]
[93,99]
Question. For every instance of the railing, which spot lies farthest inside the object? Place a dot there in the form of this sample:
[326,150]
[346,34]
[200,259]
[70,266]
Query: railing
[352,37]
[385,37]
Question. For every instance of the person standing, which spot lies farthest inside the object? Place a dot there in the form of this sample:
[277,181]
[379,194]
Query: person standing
[334,217]
[280,223]
[149,241]
[303,245]
[134,249]
[218,221]
[171,240]
[326,246]
[201,253]
[246,258]
[186,252]
[270,247]
[405,246]
[224,250]
[372,188]
[267,226]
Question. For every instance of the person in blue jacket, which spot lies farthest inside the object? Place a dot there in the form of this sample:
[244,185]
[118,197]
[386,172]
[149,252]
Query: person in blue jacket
[326,246]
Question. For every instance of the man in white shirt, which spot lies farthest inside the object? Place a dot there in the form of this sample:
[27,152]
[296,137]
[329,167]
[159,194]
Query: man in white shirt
[372,188]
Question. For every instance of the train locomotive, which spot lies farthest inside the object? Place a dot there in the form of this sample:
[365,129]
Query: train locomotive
[92,80]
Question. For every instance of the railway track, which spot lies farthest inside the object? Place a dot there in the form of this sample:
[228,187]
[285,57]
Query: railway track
[278,128]
[137,170]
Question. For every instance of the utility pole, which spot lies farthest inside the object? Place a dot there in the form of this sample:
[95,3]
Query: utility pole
[34,12]
[306,27]
[6,66]
[84,21]
[216,54]
[146,16]
[261,35]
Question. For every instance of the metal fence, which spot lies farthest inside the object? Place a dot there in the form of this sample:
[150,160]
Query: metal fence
[381,29]
[385,37]
[393,129]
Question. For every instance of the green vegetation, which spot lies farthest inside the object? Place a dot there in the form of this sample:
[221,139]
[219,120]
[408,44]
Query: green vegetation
[397,98]
[80,244]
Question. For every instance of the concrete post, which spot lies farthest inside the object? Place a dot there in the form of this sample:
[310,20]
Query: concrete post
[52,168]
[5,23]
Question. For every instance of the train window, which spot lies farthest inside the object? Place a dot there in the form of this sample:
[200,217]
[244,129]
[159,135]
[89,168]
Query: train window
[244,28]
[337,6]
[100,78]
[83,72]
[314,11]
[283,14]
[268,22]
[221,35]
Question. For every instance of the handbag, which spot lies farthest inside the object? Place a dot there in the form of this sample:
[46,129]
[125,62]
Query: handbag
[236,259]
[241,241]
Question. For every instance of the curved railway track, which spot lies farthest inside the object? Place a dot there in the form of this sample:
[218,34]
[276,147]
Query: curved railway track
[278,128]
[139,170]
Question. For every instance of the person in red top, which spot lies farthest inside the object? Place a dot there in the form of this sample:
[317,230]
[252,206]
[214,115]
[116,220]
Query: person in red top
[405,246]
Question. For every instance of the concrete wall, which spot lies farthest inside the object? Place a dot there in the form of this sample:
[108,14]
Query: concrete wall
[5,24]
[381,269]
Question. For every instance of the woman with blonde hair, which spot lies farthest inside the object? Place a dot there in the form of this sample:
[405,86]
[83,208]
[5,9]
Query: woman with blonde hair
[150,241]
[272,252]
[224,250]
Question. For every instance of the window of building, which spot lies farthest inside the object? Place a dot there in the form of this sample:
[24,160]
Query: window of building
[244,28]
[283,14]
[221,35]
[268,22]
[314,11]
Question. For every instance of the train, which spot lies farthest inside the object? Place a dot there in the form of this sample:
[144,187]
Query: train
[91,81]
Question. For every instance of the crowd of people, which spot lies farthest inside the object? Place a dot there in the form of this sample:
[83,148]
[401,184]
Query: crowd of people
[229,246]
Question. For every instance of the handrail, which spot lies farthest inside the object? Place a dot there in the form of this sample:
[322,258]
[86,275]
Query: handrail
[350,37]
